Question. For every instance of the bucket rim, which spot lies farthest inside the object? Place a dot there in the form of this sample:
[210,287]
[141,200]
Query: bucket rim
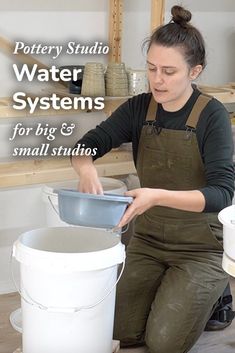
[109,180]
[68,261]
[51,188]
[226,221]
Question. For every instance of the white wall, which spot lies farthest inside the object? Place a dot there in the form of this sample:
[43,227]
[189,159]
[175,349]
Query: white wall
[216,21]
[21,209]
[204,5]
[136,28]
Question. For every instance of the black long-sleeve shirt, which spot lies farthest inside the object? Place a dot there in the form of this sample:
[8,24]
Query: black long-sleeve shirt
[213,135]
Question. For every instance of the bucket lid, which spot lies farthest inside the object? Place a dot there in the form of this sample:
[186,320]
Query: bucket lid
[228,265]
[227,216]
[69,249]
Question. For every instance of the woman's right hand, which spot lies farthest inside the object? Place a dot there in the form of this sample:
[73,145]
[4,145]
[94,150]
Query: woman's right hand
[88,177]
[90,183]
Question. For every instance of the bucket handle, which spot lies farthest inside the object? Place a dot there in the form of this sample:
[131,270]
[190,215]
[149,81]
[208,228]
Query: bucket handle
[53,206]
[123,230]
[31,301]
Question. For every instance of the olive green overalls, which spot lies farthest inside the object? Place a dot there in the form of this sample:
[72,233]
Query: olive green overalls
[173,275]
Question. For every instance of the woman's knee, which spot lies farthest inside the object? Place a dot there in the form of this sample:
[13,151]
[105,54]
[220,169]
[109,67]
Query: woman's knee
[160,343]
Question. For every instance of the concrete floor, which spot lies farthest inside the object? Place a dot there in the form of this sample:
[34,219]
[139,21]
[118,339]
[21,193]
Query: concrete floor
[209,342]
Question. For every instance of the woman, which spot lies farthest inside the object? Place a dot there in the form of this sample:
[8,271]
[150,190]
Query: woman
[182,148]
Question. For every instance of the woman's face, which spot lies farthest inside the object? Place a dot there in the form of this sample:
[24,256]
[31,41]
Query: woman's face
[169,76]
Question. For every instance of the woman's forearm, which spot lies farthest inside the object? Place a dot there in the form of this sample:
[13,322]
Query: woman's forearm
[82,164]
[192,200]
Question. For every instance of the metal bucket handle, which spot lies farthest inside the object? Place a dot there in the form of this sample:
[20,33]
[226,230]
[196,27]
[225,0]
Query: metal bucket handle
[31,301]
[52,205]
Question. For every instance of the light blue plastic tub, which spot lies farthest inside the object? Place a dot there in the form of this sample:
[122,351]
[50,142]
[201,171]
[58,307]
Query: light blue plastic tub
[89,210]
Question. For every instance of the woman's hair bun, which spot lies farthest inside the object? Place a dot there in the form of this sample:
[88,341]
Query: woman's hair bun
[180,15]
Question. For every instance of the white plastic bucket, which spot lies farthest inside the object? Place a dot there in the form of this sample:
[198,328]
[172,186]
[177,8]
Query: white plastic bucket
[68,279]
[227,218]
[110,185]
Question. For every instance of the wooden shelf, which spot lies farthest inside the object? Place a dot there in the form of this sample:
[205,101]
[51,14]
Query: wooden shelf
[7,111]
[225,94]
[27,172]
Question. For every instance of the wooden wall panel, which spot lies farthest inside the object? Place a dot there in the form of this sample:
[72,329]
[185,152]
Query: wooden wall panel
[115,30]
[157,13]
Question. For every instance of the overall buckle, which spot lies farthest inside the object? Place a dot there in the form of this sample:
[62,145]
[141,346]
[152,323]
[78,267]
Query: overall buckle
[189,132]
[152,127]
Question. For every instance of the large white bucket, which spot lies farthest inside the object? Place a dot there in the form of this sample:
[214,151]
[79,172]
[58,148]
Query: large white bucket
[68,279]
[227,218]
[50,198]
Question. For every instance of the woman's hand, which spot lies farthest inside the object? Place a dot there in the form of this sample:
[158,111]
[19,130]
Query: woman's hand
[88,177]
[89,181]
[90,184]
[144,198]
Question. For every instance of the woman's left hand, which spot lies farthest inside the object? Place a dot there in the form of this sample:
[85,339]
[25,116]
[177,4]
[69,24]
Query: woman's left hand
[144,198]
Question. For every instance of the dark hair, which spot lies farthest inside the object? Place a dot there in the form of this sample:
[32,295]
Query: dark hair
[180,33]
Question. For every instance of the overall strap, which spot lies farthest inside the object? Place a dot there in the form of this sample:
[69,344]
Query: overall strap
[194,116]
[198,107]
[152,109]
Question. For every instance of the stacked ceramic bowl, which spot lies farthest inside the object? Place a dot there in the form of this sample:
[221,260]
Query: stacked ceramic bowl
[116,80]
[137,82]
[93,84]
